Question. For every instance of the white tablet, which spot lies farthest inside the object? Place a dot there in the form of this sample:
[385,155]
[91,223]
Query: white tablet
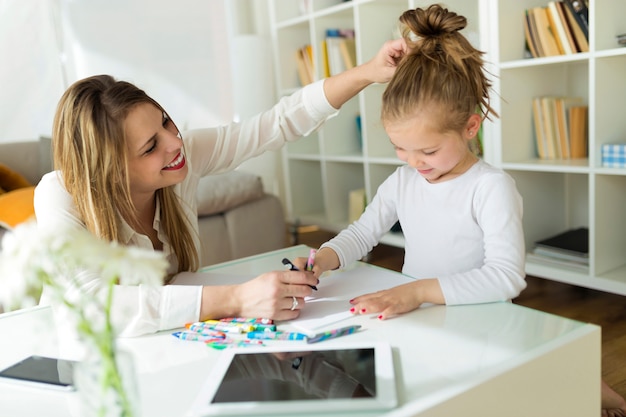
[284,379]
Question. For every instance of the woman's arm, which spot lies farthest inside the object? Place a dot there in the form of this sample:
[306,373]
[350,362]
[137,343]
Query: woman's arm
[342,87]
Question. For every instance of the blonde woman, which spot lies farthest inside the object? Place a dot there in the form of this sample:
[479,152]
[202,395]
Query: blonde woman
[126,173]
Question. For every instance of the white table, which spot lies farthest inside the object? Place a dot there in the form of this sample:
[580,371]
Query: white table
[477,360]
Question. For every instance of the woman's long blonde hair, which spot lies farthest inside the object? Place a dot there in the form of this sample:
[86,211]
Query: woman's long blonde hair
[89,148]
[441,69]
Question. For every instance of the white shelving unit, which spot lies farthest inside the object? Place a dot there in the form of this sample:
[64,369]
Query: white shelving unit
[564,194]
[558,195]
[322,169]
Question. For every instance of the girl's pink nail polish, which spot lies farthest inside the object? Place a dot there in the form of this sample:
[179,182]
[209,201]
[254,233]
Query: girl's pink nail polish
[362,310]
[352,310]
[380,317]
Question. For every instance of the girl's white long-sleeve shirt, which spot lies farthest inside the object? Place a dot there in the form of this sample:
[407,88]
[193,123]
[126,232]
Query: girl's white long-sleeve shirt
[466,232]
[141,309]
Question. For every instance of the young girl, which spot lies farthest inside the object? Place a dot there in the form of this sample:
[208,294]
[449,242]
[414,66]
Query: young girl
[126,173]
[461,217]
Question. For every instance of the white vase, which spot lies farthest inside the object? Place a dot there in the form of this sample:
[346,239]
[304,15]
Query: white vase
[107,387]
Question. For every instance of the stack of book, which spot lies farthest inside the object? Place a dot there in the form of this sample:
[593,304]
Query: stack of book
[304,60]
[338,51]
[560,28]
[570,248]
[560,127]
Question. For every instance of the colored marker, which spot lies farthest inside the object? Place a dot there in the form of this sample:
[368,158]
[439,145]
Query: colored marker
[226,343]
[331,334]
[311,261]
[195,337]
[292,267]
[220,326]
[247,320]
[276,335]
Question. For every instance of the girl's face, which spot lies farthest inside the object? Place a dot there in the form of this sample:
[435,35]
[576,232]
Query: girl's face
[437,156]
[155,151]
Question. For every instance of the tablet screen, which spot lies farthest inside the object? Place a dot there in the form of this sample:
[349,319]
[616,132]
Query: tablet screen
[289,376]
[282,379]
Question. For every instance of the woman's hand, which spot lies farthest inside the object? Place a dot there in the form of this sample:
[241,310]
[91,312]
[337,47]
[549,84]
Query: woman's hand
[382,67]
[342,87]
[398,300]
[270,295]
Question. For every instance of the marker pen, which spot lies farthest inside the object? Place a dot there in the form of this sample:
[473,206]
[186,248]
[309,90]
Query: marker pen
[292,267]
[276,335]
[330,334]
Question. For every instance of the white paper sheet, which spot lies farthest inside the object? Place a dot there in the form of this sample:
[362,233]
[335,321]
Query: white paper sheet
[331,303]
[327,306]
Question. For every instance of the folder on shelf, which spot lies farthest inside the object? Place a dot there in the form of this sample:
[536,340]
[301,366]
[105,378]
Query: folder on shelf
[573,242]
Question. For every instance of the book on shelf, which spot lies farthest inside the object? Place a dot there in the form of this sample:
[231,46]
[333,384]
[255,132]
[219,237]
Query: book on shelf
[545,31]
[557,263]
[560,30]
[580,11]
[554,29]
[560,127]
[579,128]
[304,63]
[356,204]
[581,38]
[340,50]
[540,138]
[531,42]
[572,242]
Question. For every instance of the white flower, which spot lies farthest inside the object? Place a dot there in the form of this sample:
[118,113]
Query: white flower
[78,270]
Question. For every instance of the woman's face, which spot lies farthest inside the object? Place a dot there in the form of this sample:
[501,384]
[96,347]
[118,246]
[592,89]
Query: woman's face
[437,156]
[155,151]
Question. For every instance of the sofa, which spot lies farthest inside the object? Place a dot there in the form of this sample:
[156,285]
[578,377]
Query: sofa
[236,217]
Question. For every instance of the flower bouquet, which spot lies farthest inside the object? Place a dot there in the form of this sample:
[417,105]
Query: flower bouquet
[32,261]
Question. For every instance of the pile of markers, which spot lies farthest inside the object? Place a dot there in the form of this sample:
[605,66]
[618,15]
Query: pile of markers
[235,332]
[242,332]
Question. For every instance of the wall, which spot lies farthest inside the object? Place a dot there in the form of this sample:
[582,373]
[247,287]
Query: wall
[198,58]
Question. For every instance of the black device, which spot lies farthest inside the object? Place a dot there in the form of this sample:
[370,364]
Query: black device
[41,371]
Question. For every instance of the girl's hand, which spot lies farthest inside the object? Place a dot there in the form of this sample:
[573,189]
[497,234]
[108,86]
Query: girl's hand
[325,260]
[398,300]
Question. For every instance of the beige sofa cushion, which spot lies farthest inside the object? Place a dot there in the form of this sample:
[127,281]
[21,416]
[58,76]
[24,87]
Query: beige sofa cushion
[219,193]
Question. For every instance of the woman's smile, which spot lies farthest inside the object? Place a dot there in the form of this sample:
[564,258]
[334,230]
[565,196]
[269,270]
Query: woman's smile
[177,163]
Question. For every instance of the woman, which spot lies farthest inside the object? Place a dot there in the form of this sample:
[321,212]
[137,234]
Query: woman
[126,173]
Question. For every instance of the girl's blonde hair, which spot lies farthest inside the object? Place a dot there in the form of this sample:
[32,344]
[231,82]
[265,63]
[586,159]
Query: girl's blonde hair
[441,70]
[89,148]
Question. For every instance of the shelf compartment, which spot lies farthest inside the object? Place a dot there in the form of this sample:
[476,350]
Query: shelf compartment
[610,99]
[305,187]
[519,86]
[553,203]
[381,15]
[290,40]
[376,141]
[609,18]
[286,10]
[610,220]
[378,173]
[341,178]
[308,145]
[340,134]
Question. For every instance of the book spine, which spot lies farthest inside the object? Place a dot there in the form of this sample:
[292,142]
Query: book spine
[581,14]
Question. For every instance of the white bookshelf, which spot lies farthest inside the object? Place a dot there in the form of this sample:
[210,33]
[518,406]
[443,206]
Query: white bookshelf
[564,194]
[321,170]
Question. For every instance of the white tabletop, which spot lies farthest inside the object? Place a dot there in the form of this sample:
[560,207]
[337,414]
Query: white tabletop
[439,351]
